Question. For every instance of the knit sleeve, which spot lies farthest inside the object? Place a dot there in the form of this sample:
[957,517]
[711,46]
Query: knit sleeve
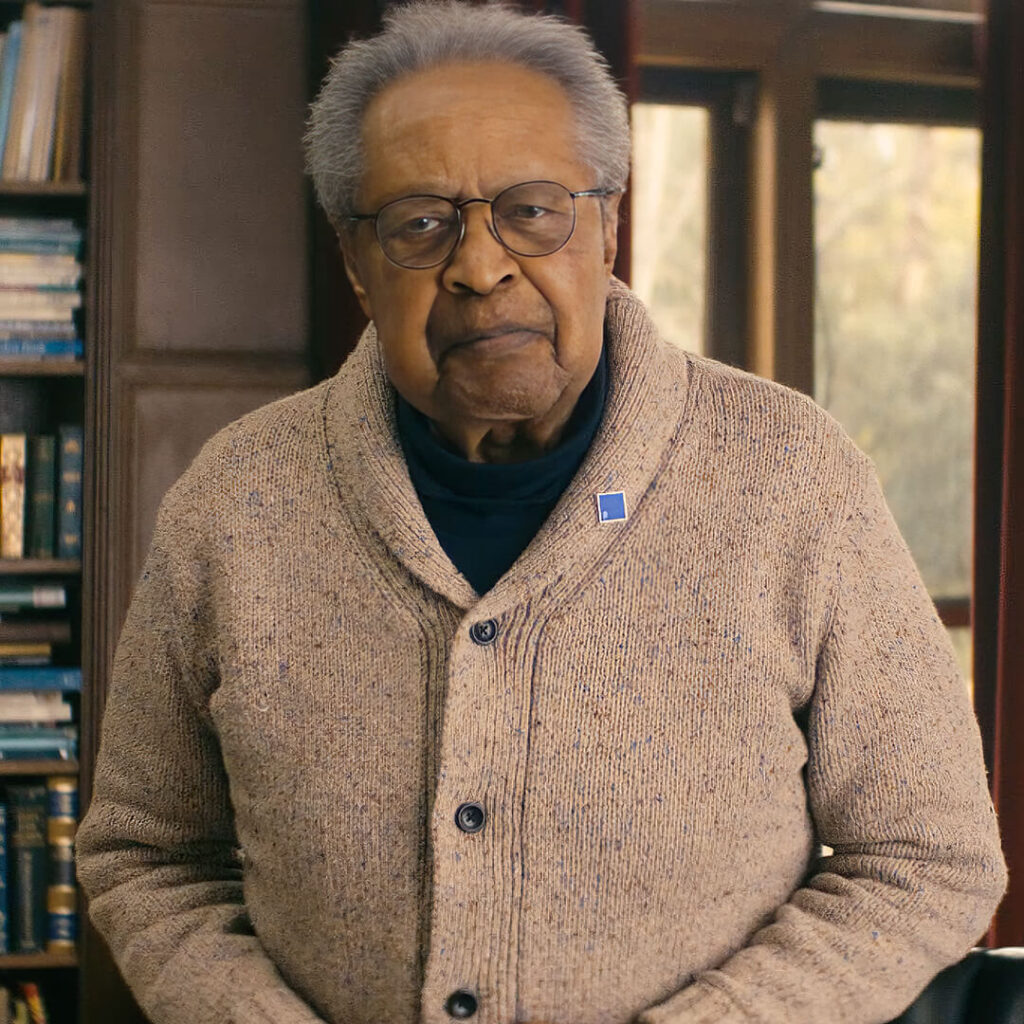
[896,787]
[157,854]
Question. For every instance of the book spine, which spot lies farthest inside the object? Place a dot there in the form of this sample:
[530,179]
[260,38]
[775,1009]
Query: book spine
[40,277]
[27,805]
[51,631]
[42,495]
[10,66]
[19,127]
[45,677]
[57,245]
[62,895]
[59,300]
[41,348]
[34,1002]
[37,595]
[5,936]
[67,159]
[69,515]
[12,495]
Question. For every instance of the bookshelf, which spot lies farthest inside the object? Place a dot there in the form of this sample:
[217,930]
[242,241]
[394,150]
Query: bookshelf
[43,68]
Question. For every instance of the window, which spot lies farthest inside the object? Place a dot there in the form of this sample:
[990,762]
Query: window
[896,229]
[669,217]
[885,95]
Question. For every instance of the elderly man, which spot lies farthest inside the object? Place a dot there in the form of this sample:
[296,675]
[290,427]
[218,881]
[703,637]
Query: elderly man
[521,671]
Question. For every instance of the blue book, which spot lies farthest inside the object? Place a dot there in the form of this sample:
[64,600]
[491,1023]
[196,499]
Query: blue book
[40,742]
[5,935]
[42,348]
[12,51]
[27,806]
[40,245]
[42,226]
[41,677]
[70,462]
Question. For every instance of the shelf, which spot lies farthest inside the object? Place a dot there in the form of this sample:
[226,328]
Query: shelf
[40,567]
[43,188]
[11,367]
[49,766]
[33,961]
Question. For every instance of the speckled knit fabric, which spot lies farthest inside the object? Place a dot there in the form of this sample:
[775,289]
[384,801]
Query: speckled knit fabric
[674,710]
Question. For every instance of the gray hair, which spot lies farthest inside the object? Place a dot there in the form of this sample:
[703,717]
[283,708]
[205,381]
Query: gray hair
[426,33]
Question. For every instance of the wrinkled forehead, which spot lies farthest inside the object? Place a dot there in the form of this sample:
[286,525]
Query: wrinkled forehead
[471,127]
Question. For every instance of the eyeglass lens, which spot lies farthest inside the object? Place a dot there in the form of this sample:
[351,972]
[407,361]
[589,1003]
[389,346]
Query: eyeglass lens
[532,219]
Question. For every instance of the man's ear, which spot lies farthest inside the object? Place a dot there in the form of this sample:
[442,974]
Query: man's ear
[610,224]
[352,272]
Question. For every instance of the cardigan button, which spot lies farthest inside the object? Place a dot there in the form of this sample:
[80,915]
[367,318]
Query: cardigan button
[484,632]
[461,1004]
[470,817]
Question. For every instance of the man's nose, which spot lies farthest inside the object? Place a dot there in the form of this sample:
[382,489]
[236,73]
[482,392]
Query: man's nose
[480,262]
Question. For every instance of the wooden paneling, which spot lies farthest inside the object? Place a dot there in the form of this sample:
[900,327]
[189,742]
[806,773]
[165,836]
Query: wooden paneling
[931,51]
[198,296]
[220,221]
[940,50]
[781,254]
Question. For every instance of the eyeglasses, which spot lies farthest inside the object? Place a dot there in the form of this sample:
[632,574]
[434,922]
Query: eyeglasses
[534,218]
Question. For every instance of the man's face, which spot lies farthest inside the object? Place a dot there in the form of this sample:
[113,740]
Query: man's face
[488,337]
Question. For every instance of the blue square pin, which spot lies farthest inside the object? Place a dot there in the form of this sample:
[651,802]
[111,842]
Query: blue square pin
[611,507]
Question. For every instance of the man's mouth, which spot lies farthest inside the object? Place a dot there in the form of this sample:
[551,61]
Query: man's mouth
[490,340]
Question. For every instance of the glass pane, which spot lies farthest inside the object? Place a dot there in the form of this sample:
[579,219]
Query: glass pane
[896,210]
[964,647]
[669,211]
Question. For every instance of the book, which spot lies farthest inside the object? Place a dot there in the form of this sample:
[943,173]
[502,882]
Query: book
[39,227]
[54,54]
[61,808]
[26,805]
[42,245]
[67,154]
[38,304]
[8,70]
[40,708]
[61,899]
[41,348]
[22,596]
[42,496]
[19,128]
[18,629]
[21,653]
[48,677]
[5,938]
[13,329]
[12,495]
[29,105]
[69,492]
[37,1012]
[39,275]
[38,742]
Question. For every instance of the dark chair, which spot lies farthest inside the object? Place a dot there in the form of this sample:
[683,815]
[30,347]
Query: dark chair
[986,987]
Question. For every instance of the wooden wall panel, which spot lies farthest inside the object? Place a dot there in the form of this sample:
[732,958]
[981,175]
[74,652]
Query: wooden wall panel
[220,223]
[198,303]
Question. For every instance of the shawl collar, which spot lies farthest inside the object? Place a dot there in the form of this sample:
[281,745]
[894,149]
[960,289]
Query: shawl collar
[648,399]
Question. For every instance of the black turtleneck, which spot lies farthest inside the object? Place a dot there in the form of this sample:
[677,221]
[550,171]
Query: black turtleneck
[485,514]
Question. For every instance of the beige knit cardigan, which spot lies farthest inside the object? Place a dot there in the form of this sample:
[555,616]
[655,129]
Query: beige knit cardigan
[675,710]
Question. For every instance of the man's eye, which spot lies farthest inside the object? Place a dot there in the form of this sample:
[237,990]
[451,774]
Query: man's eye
[526,212]
[420,226]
